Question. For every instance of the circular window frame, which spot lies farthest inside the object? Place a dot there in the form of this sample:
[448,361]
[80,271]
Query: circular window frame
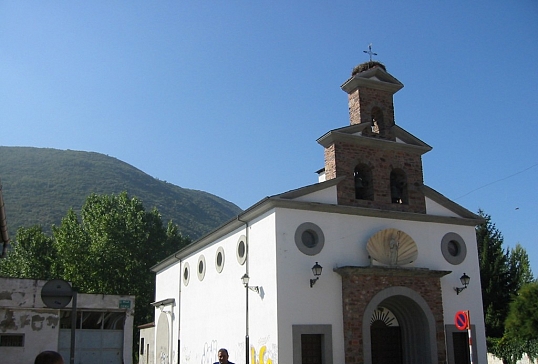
[462,248]
[219,267]
[187,270]
[241,259]
[309,227]
[201,274]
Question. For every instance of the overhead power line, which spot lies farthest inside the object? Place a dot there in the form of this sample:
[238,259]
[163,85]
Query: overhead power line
[499,180]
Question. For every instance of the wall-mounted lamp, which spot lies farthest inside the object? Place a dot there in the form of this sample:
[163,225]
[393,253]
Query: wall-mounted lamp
[316,269]
[245,280]
[465,281]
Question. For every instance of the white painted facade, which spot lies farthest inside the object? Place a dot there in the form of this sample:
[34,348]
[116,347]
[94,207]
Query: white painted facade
[24,315]
[210,313]
[206,309]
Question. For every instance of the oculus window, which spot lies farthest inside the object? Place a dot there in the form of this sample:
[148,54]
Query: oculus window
[241,249]
[186,274]
[309,238]
[219,259]
[453,248]
[201,268]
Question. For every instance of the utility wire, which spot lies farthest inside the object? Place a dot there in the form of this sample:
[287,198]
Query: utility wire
[499,180]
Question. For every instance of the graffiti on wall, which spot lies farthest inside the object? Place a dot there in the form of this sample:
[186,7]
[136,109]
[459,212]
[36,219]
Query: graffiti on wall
[263,355]
[210,352]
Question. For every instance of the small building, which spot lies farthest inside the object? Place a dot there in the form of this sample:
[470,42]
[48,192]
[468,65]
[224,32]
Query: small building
[368,265]
[146,354]
[104,331]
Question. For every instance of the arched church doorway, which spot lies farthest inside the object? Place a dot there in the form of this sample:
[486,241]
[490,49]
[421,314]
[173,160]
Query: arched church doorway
[386,337]
[399,328]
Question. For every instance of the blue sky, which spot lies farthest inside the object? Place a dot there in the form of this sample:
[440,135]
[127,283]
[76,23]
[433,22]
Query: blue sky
[229,97]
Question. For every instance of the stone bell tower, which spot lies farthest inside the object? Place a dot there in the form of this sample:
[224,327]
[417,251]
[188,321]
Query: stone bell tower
[380,161]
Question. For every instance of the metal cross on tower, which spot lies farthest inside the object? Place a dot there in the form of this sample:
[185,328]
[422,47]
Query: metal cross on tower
[369,52]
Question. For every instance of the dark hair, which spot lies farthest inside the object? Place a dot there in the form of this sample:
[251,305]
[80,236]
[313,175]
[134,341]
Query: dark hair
[222,350]
[49,357]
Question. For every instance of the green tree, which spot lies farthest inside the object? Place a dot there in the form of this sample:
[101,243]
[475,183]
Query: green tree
[111,248]
[108,249]
[519,268]
[33,255]
[522,320]
[521,327]
[494,275]
[503,274]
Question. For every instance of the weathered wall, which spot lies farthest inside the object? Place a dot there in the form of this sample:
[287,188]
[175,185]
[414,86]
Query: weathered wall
[23,312]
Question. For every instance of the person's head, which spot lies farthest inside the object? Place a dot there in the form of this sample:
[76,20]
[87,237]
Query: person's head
[49,357]
[223,356]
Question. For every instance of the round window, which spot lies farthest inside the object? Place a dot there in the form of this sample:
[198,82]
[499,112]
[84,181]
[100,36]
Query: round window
[453,248]
[186,274]
[241,251]
[201,267]
[309,238]
[219,259]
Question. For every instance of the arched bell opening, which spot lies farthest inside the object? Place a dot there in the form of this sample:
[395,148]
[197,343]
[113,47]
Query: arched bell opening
[364,189]
[378,121]
[398,187]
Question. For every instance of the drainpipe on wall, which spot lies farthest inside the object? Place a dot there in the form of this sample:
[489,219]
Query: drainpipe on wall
[247,243]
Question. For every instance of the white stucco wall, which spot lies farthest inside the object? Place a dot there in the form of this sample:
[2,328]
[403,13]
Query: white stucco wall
[214,309]
[345,244]
[168,286]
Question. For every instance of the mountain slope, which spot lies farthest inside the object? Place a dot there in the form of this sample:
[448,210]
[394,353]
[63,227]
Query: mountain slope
[41,184]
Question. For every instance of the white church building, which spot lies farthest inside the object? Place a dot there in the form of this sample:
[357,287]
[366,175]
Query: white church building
[362,267]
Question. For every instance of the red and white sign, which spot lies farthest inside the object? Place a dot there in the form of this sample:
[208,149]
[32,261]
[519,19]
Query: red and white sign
[462,320]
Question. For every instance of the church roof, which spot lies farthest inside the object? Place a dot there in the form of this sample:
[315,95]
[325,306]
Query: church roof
[353,134]
[294,199]
[376,78]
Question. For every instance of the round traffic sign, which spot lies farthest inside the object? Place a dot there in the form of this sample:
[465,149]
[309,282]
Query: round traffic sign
[461,320]
[56,293]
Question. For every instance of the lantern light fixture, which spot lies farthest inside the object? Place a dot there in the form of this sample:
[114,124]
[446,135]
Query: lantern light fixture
[464,279]
[316,270]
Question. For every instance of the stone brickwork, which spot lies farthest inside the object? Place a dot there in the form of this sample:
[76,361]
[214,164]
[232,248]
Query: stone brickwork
[341,158]
[361,284]
[362,101]
[381,152]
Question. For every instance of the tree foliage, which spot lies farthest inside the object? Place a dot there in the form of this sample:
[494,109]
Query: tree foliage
[519,268]
[522,320]
[503,274]
[521,327]
[108,249]
[511,350]
[33,256]
[494,275]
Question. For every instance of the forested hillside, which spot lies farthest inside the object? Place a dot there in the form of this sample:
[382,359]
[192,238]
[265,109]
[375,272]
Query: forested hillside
[40,185]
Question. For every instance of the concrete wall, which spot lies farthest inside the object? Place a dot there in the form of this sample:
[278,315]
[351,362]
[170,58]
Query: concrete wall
[23,312]
[147,355]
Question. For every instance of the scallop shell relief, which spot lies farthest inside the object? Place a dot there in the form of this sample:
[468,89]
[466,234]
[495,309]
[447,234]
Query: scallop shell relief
[392,247]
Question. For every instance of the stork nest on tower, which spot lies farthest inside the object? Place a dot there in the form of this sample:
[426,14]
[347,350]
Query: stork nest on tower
[366,66]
